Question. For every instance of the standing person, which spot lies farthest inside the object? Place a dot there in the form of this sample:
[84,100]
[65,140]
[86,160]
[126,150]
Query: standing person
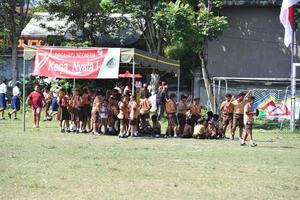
[152,99]
[63,115]
[123,116]
[37,100]
[227,109]
[238,114]
[54,103]
[155,126]
[103,115]
[195,111]
[133,116]
[161,99]
[144,91]
[48,98]
[95,112]
[182,109]
[145,106]
[76,116]
[3,91]
[15,101]
[171,114]
[249,114]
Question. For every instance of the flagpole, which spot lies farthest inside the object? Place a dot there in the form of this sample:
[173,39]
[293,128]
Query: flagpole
[293,76]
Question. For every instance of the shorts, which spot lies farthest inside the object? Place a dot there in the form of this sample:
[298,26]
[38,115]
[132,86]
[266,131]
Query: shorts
[2,101]
[172,121]
[238,120]
[248,128]
[36,109]
[76,114]
[227,118]
[54,105]
[123,122]
[133,122]
[181,119]
[63,114]
[194,119]
[15,103]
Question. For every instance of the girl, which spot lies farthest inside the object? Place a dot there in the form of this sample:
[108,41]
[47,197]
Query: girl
[95,113]
[133,116]
[123,116]
[15,101]
[103,115]
[63,115]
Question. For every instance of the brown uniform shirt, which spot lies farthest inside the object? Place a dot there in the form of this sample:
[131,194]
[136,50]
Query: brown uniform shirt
[238,107]
[170,106]
[123,110]
[145,106]
[133,110]
[182,107]
[227,107]
[199,129]
[195,109]
[248,116]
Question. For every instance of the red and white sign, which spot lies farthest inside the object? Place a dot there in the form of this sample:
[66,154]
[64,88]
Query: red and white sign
[88,63]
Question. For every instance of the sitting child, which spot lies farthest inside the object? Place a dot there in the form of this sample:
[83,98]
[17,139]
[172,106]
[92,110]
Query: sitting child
[199,129]
[188,129]
[210,115]
[218,125]
[156,126]
[211,131]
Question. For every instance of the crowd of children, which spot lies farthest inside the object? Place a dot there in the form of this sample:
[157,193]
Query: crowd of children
[86,110]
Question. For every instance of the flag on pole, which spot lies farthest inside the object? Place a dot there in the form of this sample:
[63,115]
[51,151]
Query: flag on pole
[287,18]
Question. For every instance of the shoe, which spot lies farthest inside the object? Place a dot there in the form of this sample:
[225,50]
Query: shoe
[232,137]
[9,115]
[62,130]
[253,145]
[243,144]
[50,119]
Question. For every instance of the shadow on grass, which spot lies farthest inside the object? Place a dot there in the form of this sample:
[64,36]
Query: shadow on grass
[278,147]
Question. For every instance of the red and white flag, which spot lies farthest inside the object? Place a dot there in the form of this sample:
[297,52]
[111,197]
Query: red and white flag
[287,18]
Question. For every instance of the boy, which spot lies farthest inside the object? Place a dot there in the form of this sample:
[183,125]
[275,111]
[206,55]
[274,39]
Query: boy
[171,114]
[249,113]
[48,98]
[199,130]
[227,109]
[37,100]
[182,109]
[238,114]
[188,129]
[63,115]
[218,125]
[211,130]
[145,106]
[195,111]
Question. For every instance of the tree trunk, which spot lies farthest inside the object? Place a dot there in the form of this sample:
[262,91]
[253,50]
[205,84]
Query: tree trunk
[206,79]
[14,58]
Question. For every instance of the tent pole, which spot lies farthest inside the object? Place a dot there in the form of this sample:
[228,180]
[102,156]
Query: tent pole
[178,84]
[133,77]
[74,84]
[24,110]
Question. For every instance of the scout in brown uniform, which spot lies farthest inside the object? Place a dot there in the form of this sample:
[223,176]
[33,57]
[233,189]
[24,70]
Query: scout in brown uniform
[123,116]
[95,114]
[227,109]
[133,116]
[195,111]
[211,130]
[85,104]
[199,130]
[249,114]
[145,106]
[238,114]
[182,109]
[76,111]
[171,113]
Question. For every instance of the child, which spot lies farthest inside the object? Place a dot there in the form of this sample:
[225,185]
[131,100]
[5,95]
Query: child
[227,109]
[195,111]
[211,131]
[85,101]
[95,112]
[133,117]
[63,115]
[199,130]
[48,97]
[209,117]
[145,106]
[123,116]
[218,125]
[15,101]
[103,115]
[182,109]
[37,100]
[249,114]
[188,129]
[76,116]
[171,112]
[156,126]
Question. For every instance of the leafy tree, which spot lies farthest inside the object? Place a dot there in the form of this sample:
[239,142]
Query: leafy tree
[13,17]
[189,26]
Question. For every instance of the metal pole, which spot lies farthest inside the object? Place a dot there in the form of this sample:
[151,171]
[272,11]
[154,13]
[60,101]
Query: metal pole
[178,85]
[24,105]
[219,91]
[133,76]
[293,80]
[74,85]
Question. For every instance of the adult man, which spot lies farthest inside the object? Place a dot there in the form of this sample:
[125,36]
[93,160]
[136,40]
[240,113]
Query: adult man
[238,114]
[227,109]
[182,109]
[171,114]
[249,113]
[15,101]
[3,91]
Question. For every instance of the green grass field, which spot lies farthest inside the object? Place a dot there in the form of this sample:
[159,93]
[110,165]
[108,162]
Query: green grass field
[46,164]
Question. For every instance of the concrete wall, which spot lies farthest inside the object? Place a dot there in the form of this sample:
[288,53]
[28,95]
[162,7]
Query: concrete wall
[252,46]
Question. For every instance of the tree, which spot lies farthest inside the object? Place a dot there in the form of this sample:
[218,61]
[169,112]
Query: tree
[13,16]
[191,26]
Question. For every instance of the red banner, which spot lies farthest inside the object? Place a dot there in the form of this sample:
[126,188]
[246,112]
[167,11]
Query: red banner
[88,63]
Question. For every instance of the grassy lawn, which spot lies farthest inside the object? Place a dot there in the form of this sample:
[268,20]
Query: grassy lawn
[46,164]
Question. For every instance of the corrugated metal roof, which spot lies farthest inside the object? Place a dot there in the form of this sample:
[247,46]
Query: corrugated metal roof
[252,2]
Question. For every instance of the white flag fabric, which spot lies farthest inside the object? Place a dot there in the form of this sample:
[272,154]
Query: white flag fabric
[286,19]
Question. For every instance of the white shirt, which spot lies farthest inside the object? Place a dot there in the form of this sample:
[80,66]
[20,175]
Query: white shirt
[16,91]
[3,88]
[152,99]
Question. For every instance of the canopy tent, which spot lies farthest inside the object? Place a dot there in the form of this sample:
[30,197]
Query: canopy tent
[136,58]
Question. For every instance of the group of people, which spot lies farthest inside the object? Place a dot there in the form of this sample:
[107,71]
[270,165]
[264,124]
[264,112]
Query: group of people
[85,110]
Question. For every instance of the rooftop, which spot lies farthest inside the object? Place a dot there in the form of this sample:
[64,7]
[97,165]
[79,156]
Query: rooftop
[252,2]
